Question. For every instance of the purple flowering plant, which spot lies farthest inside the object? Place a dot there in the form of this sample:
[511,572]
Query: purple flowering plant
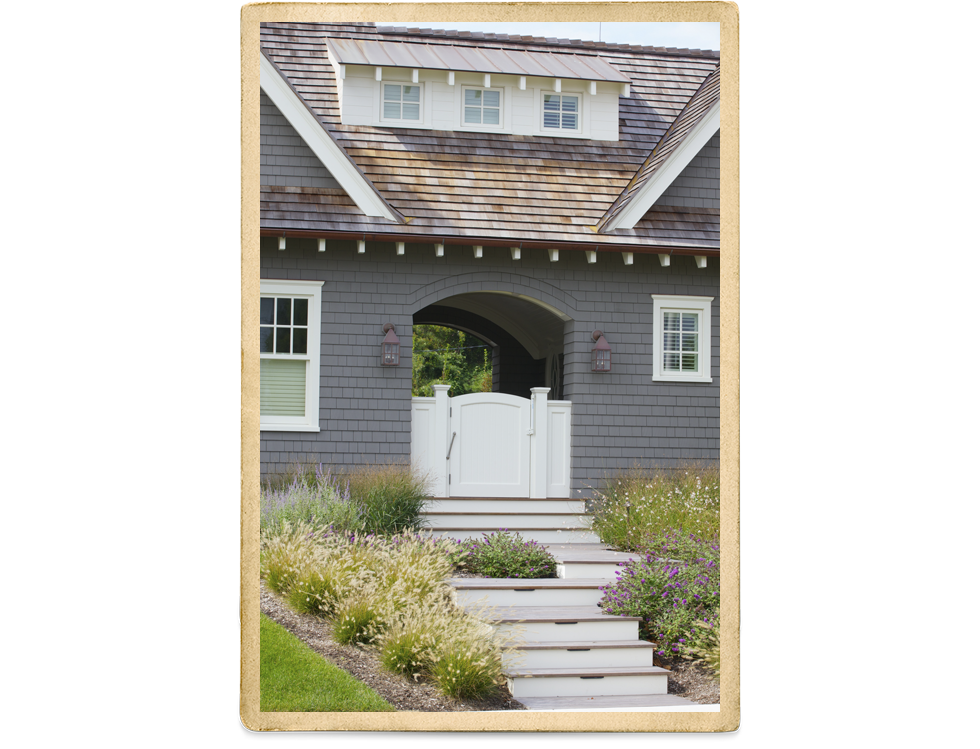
[504,554]
[674,584]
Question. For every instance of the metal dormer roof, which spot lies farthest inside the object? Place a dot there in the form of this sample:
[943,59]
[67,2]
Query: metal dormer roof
[472,60]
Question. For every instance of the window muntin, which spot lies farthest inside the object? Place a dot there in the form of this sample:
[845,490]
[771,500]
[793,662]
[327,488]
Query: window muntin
[561,112]
[482,107]
[682,338]
[401,101]
[289,332]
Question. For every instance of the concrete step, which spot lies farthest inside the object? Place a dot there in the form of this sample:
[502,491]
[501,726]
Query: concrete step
[577,682]
[541,535]
[530,624]
[505,504]
[579,654]
[617,703]
[506,520]
[541,592]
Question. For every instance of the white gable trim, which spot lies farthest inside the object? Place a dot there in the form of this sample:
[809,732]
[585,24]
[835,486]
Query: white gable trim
[654,187]
[331,155]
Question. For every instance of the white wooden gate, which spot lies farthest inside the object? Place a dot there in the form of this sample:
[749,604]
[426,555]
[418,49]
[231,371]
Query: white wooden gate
[493,445]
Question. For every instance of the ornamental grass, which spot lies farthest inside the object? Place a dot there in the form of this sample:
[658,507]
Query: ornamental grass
[391,594]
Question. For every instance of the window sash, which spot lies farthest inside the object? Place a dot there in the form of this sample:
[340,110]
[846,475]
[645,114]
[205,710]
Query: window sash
[561,112]
[400,101]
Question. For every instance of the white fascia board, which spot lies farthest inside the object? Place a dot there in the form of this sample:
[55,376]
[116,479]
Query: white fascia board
[654,187]
[331,155]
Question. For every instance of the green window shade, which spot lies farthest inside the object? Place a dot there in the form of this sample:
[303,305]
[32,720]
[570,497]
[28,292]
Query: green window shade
[282,387]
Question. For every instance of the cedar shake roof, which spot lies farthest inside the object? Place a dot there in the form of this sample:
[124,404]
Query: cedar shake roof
[486,188]
[696,109]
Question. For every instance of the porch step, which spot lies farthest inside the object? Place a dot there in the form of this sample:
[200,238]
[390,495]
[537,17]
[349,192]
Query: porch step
[505,504]
[579,654]
[541,535]
[507,520]
[562,624]
[620,703]
[588,564]
[576,682]
[539,592]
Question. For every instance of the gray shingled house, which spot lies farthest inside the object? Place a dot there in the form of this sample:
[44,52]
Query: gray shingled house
[532,192]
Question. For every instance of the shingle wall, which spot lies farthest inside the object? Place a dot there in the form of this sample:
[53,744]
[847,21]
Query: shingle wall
[285,158]
[698,185]
[617,418]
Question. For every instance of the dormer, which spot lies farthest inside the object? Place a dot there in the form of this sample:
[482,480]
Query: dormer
[473,89]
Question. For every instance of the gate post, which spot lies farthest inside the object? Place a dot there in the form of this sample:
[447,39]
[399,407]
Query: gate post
[539,443]
[440,463]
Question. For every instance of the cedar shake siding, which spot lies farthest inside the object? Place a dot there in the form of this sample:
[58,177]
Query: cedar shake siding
[618,418]
[285,159]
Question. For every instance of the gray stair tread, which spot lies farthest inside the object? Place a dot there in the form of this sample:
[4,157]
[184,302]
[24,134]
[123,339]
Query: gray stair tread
[510,513]
[594,671]
[508,499]
[590,556]
[604,701]
[594,645]
[508,614]
[543,583]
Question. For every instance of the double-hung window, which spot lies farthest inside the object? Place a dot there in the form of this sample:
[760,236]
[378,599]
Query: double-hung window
[682,338]
[562,112]
[482,107]
[401,102]
[289,351]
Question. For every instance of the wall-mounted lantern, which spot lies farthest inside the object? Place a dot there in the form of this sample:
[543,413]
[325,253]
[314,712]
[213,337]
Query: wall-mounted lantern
[601,354]
[391,348]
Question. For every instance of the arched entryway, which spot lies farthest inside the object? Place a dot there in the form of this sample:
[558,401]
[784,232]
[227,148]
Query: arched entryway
[515,441]
[527,337]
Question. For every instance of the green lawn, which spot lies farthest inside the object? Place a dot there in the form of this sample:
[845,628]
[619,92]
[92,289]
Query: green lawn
[294,679]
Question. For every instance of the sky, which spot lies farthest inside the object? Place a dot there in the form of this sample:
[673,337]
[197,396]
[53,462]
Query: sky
[689,35]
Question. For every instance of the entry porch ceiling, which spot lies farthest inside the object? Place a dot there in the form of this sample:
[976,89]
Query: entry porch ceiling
[538,329]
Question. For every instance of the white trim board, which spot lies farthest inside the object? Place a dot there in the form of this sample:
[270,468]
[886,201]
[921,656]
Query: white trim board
[330,154]
[654,187]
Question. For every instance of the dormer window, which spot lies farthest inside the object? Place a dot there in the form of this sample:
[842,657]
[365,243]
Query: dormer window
[562,112]
[401,102]
[482,106]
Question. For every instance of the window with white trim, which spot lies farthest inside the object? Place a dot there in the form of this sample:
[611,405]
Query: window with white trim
[401,102]
[482,107]
[682,338]
[289,352]
[561,112]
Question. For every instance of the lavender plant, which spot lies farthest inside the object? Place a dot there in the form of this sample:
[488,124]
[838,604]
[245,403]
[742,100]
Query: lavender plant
[503,554]
[672,587]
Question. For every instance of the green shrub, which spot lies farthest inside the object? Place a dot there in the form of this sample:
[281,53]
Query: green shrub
[638,503]
[467,668]
[318,589]
[503,554]
[312,496]
[356,620]
[706,649]
[287,556]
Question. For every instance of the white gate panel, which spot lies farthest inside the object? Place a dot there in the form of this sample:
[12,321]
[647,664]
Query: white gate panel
[490,452]
[559,448]
[425,445]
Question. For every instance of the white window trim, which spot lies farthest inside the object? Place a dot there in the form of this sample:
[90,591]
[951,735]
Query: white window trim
[481,127]
[399,122]
[310,290]
[582,131]
[701,304]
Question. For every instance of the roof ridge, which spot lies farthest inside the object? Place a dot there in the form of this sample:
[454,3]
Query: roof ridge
[548,41]
[618,203]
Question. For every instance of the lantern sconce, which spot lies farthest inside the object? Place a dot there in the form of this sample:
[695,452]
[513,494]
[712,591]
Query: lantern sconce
[391,348]
[601,354]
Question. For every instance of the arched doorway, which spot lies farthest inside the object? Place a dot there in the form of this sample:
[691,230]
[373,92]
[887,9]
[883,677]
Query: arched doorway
[527,337]
[516,440]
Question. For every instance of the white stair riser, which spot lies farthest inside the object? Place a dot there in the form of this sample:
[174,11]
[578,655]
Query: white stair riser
[593,658]
[510,522]
[572,686]
[537,597]
[541,536]
[572,507]
[589,571]
[608,629]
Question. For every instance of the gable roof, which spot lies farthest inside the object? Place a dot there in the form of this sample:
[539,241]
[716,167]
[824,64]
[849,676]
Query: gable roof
[687,135]
[485,188]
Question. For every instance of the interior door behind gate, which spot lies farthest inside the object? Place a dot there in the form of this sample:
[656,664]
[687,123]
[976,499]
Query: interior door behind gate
[490,452]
